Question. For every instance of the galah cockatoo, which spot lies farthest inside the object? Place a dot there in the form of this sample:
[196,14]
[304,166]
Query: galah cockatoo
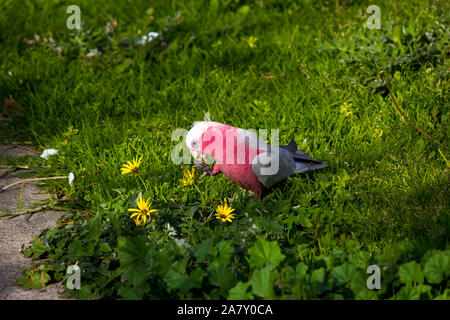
[244,158]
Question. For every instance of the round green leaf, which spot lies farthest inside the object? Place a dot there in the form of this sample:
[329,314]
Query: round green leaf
[437,267]
[410,272]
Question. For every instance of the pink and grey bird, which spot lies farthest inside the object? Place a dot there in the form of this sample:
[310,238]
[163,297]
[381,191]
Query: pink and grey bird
[244,158]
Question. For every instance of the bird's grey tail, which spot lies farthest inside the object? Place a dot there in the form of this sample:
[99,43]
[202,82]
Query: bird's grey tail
[303,162]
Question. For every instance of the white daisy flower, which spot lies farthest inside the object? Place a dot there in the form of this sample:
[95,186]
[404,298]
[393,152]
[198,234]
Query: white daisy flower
[147,38]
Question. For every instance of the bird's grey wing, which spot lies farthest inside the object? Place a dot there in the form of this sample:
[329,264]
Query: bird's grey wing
[273,166]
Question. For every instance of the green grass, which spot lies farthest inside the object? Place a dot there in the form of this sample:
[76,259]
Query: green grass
[313,74]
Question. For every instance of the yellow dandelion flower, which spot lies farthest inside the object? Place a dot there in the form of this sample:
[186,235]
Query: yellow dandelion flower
[140,215]
[188,177]
[131,167]
[224,212]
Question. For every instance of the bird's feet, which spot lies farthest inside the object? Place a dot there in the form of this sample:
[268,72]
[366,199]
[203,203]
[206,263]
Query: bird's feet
[207,170]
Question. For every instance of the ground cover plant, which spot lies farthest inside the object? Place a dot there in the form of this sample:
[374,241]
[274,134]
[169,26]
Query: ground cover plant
[308,68]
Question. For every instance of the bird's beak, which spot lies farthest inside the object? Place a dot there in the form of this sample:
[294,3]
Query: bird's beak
[194,154]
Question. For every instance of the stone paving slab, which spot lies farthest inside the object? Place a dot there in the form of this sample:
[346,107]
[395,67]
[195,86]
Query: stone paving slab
[18,231]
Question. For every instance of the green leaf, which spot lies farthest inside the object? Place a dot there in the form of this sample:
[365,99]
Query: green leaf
[325,261]
[239,292]
[34,279]
[133,250]
[269,225]
[38,249]
[223,250]
[360,259]
[444,296]
[408,292]
[301,270]
[334,296]
[318,275]
[318,281]
[75,250]
[437,267]
[135,293]
[203,250]
[104,248]
[265,252]
[176,277]
[196,277]
[338,256]
[305,222]
[366,295]
[164,259]
[135,259]
[214,4]
[262,282]
[244,10]
[96,227]
[121,241]
[410,272]
[358,285]
[343,273]
[122,66]
[424,291]
[221,276]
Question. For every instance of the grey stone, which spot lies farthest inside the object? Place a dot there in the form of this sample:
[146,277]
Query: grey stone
[18,231]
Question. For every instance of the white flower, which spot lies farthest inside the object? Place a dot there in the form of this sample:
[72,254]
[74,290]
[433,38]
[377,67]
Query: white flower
[71,177]
[48,152]
[182,242]
[172,232]
[147,38]
[92,53]
[10,73]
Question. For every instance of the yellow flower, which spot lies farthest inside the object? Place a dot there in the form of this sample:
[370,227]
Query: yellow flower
[188,177]
[224,212]
[130,167]
[345,109]
[65,223]
[251,42]
[140,215]
[379,132]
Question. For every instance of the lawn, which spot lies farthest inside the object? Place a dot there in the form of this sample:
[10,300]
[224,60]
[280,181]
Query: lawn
[308,68]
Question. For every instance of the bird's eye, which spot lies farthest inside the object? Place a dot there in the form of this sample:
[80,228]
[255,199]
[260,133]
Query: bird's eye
[194,143]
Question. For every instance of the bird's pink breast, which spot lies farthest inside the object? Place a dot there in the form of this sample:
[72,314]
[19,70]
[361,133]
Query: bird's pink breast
[243,175]
[233,157]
